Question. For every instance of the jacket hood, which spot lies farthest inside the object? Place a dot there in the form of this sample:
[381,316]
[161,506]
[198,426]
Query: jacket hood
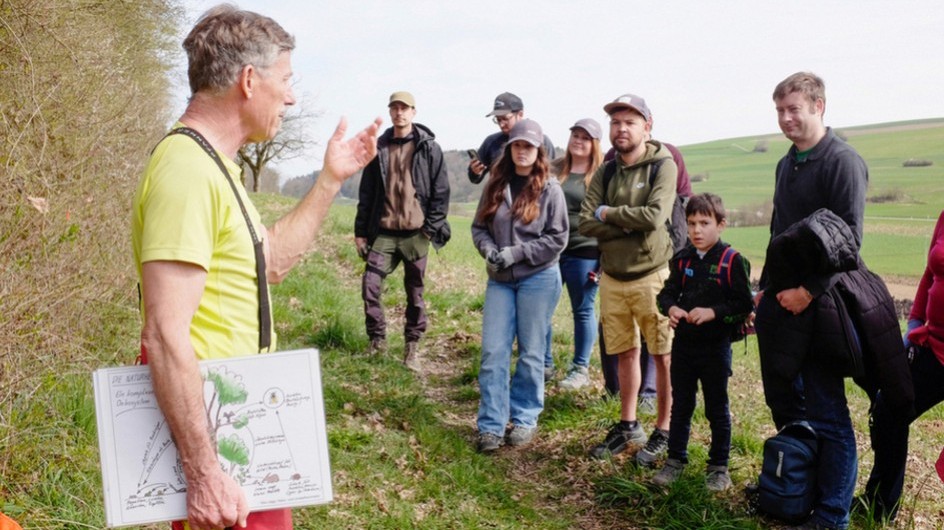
[422,132]
[654,151]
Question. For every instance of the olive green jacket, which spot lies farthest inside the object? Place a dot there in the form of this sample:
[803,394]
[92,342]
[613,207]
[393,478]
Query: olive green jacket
[634,241]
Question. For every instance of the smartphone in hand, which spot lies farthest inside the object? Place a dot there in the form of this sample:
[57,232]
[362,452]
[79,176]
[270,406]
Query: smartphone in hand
[473,154]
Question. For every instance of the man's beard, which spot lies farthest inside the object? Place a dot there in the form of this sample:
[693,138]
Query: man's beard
[624,149]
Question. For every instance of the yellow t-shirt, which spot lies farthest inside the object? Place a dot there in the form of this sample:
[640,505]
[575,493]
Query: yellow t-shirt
[184,210]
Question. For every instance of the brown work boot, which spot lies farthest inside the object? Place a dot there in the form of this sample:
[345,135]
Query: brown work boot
[411,356]
[378,346]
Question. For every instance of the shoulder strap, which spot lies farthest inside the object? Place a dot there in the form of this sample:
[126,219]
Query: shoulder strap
[265,318]
[609,169]
[684,264]
[654,170]
[727,258]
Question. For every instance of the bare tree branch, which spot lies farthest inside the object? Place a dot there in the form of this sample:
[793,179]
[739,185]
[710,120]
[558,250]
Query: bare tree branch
[292,141]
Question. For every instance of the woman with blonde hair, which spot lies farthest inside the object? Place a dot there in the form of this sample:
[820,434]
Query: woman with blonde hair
[581,259]
[520,228]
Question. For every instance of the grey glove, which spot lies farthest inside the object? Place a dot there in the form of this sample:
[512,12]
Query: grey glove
[504,258]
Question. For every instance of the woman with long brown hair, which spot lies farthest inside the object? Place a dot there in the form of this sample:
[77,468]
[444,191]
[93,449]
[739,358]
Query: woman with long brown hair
[581,259]
[520,228]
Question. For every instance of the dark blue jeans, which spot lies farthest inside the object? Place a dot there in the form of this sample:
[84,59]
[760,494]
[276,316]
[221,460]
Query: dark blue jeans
[711,365]
[582,292]
[889,432]
[819,396]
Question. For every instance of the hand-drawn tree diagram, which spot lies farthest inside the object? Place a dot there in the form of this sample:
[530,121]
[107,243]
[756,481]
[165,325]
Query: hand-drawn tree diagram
[228,389]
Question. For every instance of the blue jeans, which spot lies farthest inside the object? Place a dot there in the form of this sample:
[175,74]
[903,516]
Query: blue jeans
[710,364]
[819,397]
[828,413]
[521,309]
[575,273]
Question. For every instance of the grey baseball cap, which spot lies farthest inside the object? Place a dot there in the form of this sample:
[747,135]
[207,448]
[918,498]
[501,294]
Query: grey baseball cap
[505,103]
[590,125]
[629,101]
[527,130]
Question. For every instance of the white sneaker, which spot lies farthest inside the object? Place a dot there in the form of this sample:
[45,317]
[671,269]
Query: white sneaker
[576,378]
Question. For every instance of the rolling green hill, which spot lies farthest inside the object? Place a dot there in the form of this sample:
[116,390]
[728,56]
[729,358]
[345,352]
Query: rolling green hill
[904,202]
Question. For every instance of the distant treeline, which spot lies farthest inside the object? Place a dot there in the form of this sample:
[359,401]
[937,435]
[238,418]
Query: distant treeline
[457,162]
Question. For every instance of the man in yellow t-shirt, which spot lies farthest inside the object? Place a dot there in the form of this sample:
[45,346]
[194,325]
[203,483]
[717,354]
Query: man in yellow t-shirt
[185,211]
[192,246]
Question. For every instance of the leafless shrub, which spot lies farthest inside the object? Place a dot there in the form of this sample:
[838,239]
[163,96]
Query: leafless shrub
[699,177]
[892,195]
[84,96]
[751,215]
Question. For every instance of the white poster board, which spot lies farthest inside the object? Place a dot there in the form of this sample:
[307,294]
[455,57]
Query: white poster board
[266,412]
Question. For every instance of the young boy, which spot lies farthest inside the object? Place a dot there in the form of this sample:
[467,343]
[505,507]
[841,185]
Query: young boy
[707,297]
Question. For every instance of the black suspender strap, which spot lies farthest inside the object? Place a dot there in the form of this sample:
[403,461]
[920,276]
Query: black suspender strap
[265,318]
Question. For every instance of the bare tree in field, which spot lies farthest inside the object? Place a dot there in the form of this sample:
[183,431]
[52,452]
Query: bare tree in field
[292,141]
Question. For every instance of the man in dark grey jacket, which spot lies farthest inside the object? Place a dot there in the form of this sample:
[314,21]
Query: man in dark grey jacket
[403,201]
[506,112]
[819,171]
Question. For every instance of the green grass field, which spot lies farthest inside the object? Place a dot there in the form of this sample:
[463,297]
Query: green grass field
[401,445]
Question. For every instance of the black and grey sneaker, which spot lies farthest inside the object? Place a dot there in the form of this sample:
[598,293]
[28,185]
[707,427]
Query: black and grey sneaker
[618,439]
[488,442]
[657,446]
[717,478]
[521,435]
[669,473]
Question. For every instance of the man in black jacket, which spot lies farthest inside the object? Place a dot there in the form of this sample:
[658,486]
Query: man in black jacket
[819,171]
[506,112]
[403,201]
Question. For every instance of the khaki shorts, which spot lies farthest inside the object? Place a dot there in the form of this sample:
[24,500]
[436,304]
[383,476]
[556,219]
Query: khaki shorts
[628,307]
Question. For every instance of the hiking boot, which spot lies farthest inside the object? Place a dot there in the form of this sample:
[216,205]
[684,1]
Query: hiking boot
[488,442]
[411,357]
[619,437]
[717,478]
[577,378]
[646,405]
[669,473]
[378,346]
[521,435]
[657,446]
[549,373]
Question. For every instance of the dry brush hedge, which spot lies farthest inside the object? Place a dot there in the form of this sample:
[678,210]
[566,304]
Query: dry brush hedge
[84,95]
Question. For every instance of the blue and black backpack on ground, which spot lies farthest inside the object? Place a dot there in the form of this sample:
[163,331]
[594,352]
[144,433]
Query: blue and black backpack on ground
[787,484]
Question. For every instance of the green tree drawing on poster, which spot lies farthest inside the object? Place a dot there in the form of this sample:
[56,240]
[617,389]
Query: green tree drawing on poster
[227,390]
[233,449]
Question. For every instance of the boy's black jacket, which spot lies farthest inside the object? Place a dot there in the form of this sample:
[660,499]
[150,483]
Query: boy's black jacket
[732,303]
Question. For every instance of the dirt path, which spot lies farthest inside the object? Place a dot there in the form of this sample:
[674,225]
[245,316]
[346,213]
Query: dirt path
[535,468]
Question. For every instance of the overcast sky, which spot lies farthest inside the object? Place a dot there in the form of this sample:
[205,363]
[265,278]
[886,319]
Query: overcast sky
[707,69]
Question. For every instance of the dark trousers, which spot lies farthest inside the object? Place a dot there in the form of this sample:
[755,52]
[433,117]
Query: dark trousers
[610,366]
[386,253]
[889,433]
[710,365]
[818,396]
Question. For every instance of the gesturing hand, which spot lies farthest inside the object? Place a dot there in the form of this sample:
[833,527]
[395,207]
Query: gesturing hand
[343,157]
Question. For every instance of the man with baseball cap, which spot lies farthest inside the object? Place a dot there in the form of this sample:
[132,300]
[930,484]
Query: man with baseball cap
[506,112]
[402,206]
[627,207]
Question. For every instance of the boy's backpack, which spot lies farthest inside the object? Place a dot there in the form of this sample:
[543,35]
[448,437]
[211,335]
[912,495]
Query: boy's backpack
[725,264]
[787,484]
[676,224]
